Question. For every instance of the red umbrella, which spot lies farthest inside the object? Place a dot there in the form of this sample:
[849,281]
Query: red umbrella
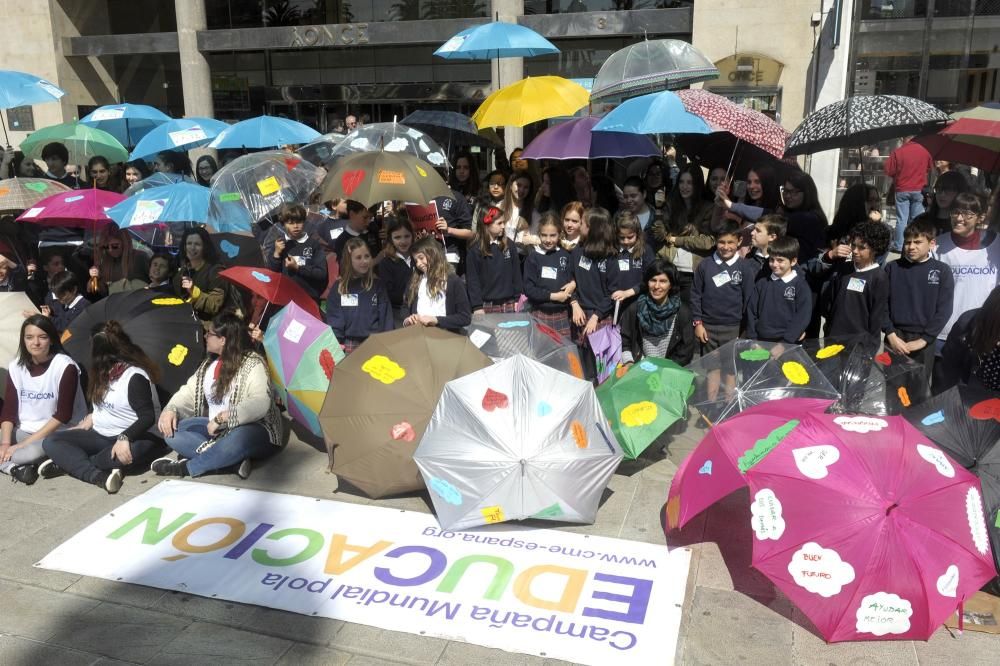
[274,288]
[969,141]
[77,208]
[743,123]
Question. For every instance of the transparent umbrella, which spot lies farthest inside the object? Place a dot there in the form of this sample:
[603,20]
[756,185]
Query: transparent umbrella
[392,138]
[320,151]
[651,66]
[263,182]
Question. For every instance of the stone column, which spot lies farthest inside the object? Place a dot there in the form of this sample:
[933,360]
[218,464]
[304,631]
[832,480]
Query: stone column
[510,70]
[196,78]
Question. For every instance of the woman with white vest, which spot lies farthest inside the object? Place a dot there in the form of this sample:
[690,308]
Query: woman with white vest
[119,433]
[43,395]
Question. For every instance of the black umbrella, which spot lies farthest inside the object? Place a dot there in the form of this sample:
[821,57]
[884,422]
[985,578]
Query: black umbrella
[238,250]
[163,326]
[965,422]
[450,128]
[862,121]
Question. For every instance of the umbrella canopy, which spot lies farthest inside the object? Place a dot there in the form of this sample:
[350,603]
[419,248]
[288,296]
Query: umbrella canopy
[863,120]
[495,40]
[238,249]
[651,66]
[967,141]
[77,208]
[501,336]
[18,194]
[23,89]
[392,138]
[381,176]
[275,288]
[381,399]
[126,122]
[164,327]
[12,305]
[513,441]
[179,134]
[263,182]
[574,140]
[739,122]
[643,402]
[449,127]
[531,99]
[320,152]
[157,179]
[962,421]
[181,202]
[743,373]
[656,113]
[301,354]
[264,132]
[82,142]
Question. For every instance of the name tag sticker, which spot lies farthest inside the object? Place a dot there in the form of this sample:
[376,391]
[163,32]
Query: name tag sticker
[721,279]
[585,263]
[348,300]
[856,284]
[452,257]
[336,233]
[301,261]
[549,272]
[624,265]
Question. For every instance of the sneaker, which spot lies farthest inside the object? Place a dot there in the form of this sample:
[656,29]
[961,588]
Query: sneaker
[114,482]
[169,467]
[49,470]
[161,461]
[243,471]
[26,474]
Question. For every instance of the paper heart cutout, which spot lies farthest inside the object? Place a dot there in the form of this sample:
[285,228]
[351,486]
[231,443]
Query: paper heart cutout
[706,468]
[933,418]
[883,359]
[350,181]
[446,491]
[37,187]
[327,362]
[552,333]
[231,250]
[947,583]
[403,431]
[543,409]
[494,400]
[648,366]
[292,162]
[260,277]
[986,410]
[74,198]
[813,461]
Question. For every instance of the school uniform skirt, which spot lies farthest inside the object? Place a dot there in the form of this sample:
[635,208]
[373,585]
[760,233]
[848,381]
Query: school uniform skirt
[500,308]
[558,321]
[350,344]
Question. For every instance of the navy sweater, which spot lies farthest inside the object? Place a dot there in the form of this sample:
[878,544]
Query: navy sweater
[779,310]
[721,304]
[311,274]
[395,275]
[920,297]
[336,233]
[458,314]
[544,274]
[858,303]
[595,282]
[360,312]
[630,269]
[495,278]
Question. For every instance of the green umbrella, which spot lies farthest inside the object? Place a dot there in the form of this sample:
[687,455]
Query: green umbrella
[645,401]
[371,178]
[81,141]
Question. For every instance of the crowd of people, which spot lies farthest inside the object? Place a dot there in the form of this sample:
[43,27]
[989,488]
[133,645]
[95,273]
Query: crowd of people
[683,257]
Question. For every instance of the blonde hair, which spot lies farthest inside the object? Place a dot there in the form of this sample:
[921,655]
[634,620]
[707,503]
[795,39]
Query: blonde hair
[347,272]
[437,269]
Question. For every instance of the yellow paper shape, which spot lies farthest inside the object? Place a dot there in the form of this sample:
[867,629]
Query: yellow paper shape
[492,514]
[268,186]
[795,372]
[387,177]
[384,369]
[421,172]
[829,352]
[177,354]
[167,301]
[639,414]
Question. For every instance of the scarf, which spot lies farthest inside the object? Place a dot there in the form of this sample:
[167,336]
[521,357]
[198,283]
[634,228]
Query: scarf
[656,319]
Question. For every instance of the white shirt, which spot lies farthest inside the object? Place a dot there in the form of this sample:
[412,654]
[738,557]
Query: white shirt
[975,273]
[430,305]
[114,414]
[38,397]
[788,277]
[214,408]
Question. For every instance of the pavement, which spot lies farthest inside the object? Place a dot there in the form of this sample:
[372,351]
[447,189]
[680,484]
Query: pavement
[732,613]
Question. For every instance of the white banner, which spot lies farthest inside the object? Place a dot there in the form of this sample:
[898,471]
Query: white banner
[588,599]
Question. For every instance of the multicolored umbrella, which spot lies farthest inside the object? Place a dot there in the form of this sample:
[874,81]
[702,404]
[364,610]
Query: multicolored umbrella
[371,178]
[18,194]
[496,39]
[643,402]
[126,122]
[743,373]
[301,354]
[275,288]
[392,138]
[165,327]
[263,182]
[973,139]
[264,132]
[76,208]
[501,336]
[513,441]
[179,134]
[574,140]
[651,66]
[81,141]
[381,399]
[529,100]
[181,202]
[656,113]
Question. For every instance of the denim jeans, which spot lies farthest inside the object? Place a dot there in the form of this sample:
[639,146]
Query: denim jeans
[245,441]
[908,206]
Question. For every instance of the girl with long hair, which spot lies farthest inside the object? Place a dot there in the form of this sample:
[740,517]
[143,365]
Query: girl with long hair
[518,201]
[436,295]
[595,270]
[555,191]
[465,177]
[117,436]
[43,395]
[947,187]
[493,270]
[204,169]
[357,304]
[806,219]
[548,277]
[971,354]
[198,279]
[101,174]
[572,220]
[117,265]
[633,255]
[686,231]
[225,415]
[395,268]
[860,202]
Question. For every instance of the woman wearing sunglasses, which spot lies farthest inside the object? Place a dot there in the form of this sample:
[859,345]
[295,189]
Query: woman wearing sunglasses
[117,266]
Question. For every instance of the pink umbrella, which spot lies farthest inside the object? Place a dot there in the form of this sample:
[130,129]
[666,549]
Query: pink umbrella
[78,208]
[742,122]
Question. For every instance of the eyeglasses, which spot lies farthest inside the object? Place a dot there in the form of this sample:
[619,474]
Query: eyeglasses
[965,212]
[790,190]
[212,334]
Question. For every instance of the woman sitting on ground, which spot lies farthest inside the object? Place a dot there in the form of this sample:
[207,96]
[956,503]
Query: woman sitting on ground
[225,414]
[43,396]
[657,323]
[117,436]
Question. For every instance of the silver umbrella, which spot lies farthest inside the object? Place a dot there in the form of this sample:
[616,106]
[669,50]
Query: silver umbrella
[651,66]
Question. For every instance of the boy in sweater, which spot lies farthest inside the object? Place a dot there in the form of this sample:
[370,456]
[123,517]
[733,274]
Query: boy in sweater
[781,305]
[722,287]
[921,291]
[289,250]
[765,231]
[859,289]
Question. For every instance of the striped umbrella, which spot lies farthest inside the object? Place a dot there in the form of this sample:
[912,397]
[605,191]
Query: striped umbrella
[17,194]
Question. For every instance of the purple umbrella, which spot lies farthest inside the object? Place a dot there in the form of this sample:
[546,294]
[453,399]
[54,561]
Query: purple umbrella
[573,140]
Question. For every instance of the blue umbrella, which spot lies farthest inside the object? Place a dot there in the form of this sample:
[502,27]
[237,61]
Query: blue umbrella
[21,89]
[264,132]
[657,113]
[495,40]
[180,202]
[180,134]
[126,122]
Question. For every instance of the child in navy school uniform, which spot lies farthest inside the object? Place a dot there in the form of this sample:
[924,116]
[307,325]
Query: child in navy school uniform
[765,231]
[358,224]
[921,294]
[595,271]
[858,295]
[288,249]
[493,270]
[781,305]
[634,254]
[395,266]
[357,304]
[720,291]
[548,277]
[64,303]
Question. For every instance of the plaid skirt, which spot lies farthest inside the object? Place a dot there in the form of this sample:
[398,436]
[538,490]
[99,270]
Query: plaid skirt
[500,308]
[350,344]
[581,340]
[557,321]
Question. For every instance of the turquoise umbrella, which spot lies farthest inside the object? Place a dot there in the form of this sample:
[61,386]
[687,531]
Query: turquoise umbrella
[180,134]
[126,122]
[181,202]
[264,132]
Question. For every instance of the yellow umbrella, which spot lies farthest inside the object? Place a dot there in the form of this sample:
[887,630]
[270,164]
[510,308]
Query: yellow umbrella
[531,99]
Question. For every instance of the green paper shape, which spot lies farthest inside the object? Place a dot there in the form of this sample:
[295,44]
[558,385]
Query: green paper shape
[755,355]
[997,522]
[553,511]
[764,446]
[37,187]
[229,196]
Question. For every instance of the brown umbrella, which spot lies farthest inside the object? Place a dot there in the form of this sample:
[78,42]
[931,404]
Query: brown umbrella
[379,176]
[381,399]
